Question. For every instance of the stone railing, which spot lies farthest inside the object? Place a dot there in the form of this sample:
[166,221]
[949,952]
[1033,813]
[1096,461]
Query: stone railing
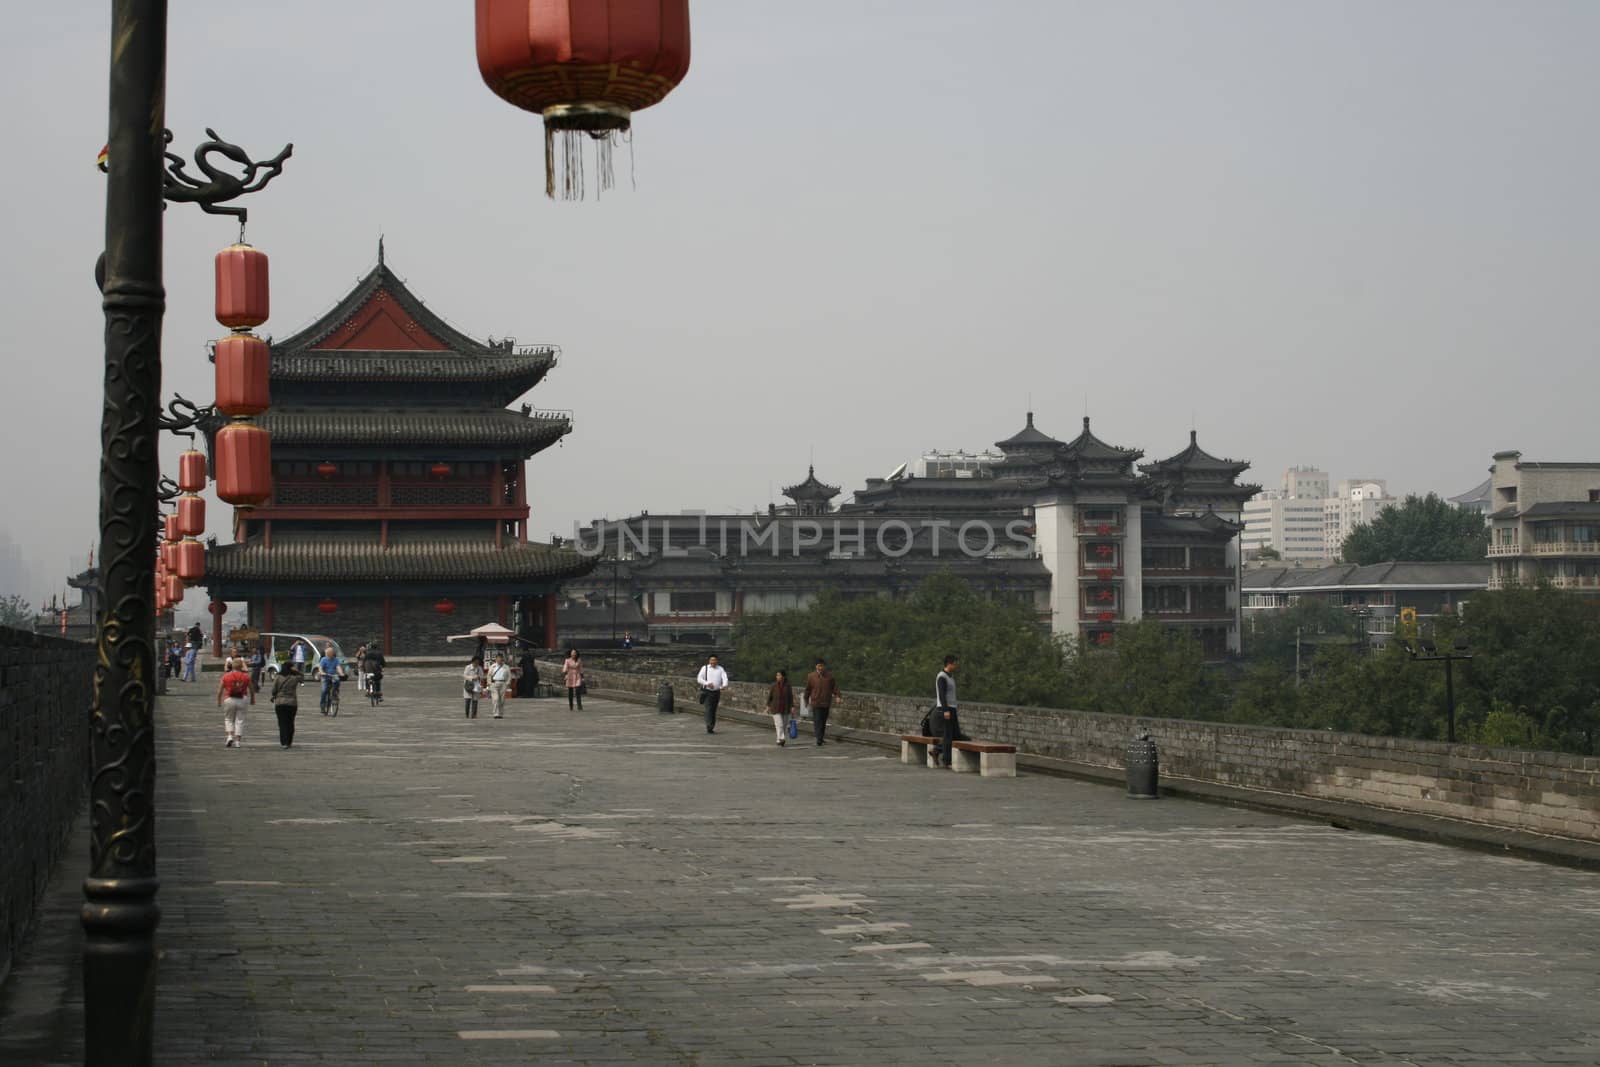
[1516,789]
[45,693]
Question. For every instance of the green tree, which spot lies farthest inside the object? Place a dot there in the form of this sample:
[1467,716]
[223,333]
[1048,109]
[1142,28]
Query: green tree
[15,612]
[1150,669]
[876,644]
[1421,529]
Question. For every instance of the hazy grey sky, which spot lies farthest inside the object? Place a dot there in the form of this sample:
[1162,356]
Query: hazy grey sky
[1356,235]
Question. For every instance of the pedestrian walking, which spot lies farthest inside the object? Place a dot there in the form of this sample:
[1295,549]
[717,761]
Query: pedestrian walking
[499,679]
[780,705]
[361,666]
[191,661]
[528,684]
[572,678]
[233,692]
[471,687]
[821,693]
[712,680]
[945,720]
[258,664]
[195,636]
[286,702]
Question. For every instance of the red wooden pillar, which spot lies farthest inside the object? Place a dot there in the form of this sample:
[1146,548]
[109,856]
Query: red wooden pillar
[388,626]
[217,608]
[267,621]
[383,484]
[549,620]
[522,502]
[502,607]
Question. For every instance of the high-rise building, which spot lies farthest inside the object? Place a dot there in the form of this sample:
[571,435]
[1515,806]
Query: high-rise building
[1356,501]
[1289,520]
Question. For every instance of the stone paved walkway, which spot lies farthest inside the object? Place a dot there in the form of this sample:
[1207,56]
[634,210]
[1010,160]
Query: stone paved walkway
[407,887]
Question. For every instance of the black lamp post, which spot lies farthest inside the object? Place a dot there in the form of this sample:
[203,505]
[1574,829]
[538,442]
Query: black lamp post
[119,910]
[1425,650]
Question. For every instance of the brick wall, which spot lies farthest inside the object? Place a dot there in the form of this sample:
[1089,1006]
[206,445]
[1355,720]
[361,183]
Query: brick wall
[1542,792]
[45,691]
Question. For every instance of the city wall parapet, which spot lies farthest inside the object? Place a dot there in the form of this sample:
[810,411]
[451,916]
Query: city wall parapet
[1515,789]
[45,693]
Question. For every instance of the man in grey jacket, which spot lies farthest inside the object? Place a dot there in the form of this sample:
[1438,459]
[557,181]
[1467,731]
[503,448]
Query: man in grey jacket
[945,723]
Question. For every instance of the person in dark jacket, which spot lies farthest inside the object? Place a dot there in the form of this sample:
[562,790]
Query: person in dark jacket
[780,704]
[947,727]
[286,702]
[821,693]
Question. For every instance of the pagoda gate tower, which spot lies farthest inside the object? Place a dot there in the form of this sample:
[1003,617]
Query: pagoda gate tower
[399,508]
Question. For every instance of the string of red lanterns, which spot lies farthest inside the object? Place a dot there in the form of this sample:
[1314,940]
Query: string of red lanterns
[243,450]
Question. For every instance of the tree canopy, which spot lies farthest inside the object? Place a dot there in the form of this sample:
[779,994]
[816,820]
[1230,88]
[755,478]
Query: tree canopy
[1421,529]
[15,612]
[897,646]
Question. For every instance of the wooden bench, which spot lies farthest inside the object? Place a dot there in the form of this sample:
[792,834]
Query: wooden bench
[990,760]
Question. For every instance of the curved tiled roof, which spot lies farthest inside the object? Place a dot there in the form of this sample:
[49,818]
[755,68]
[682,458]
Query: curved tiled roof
[343,561]
[1196,460]
[1087,446]
[811,489]
[362,366]
[440,426]
[1027,438]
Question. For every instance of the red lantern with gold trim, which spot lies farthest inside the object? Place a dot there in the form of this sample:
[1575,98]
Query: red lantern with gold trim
[242,368]
[191,471]
[174,589]
[168,554]
[244,464]
[585,65]
[242,300]
[169,528]
[191,515]
[189,560]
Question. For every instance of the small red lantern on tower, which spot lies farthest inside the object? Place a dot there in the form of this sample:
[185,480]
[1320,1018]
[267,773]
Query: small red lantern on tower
[242,290]
[244,464]
[328,606]
[585,65]
[444,606]
[242,370]
[191,471]
[327,470]
[440,470]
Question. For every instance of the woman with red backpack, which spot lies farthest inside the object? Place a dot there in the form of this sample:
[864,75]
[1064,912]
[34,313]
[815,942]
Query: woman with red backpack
[232,693]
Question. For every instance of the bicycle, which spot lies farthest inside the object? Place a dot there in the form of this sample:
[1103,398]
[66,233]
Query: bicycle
[374,688]
[330,700]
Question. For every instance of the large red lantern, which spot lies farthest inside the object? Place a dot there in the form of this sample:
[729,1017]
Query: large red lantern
[191,471]
[444,606]
[168,555]
[585,65]
[189,560]
[242,360]
[244,464]
[241,287]
[169,528]
[174,589]
[191,515]
[328,607]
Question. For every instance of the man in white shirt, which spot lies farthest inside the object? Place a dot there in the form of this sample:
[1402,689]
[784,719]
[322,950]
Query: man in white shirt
[713,680]
[499,680]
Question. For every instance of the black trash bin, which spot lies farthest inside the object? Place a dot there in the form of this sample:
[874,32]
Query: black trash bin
[664,698]
[1144,768]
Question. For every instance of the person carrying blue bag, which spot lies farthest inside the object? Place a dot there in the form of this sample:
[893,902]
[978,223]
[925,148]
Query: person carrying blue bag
[780,705]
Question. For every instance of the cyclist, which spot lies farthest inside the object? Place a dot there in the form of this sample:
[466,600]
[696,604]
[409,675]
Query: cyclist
[373,665]
[330,671]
